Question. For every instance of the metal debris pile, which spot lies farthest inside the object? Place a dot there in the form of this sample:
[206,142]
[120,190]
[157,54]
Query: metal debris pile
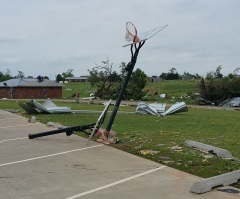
[159,108]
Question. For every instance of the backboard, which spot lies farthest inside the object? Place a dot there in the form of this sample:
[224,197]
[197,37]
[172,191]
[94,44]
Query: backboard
[142,36]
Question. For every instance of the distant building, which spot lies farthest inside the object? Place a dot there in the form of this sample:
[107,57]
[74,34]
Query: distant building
[154,79]
[77,79]
[238,76]
[20,88]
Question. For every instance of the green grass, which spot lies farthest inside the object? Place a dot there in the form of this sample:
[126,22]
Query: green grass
[6,104]
[172,88]
[85,89]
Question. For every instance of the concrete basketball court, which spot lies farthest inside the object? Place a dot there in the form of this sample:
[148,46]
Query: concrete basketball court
[65,167]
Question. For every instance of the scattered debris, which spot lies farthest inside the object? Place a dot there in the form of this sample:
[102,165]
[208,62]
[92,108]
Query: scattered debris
[107,137]
[162,95]
[176,108]
[164,158]
[48,107]
[229,190]
[210,149]
[91,97]
[170,162]
[152,109]
[148,152]
[203,101]
[55,125]
[234,102]
[176,148]
[112,140]
[161,145]
[208,156]
[33,119]
[159,108]
[29,108]
[12,110]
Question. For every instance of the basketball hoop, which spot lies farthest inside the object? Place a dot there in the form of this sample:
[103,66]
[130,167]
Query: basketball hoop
[132,36]
[136,43]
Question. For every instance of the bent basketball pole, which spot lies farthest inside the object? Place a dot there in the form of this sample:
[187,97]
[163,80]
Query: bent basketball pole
[136,43]
[129,69]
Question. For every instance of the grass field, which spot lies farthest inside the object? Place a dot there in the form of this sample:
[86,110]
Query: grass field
[85,89]
[174,87]
[154,137]
[174,90]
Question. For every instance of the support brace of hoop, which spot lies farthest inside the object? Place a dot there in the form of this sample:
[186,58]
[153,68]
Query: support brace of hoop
[69,131]
[130,66]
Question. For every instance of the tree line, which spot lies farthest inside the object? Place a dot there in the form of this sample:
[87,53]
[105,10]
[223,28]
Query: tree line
[214,87]
[4,76]
[217,88]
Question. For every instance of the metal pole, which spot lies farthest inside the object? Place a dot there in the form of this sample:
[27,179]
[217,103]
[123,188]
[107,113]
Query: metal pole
[129,69]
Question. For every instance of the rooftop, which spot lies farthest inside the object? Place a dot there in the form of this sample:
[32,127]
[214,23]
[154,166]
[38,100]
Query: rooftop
[29,83]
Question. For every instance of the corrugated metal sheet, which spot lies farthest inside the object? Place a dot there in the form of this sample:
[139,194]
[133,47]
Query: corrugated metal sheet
[29,83]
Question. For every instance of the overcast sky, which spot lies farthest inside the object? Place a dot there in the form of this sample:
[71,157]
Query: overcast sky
[48,37]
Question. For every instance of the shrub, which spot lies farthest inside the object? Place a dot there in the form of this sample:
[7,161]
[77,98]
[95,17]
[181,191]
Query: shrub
[219,89]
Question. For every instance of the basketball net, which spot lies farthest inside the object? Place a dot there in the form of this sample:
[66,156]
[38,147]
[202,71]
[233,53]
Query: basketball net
[131,33]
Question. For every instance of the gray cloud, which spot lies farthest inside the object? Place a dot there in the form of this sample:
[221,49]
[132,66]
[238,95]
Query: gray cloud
[51,36]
